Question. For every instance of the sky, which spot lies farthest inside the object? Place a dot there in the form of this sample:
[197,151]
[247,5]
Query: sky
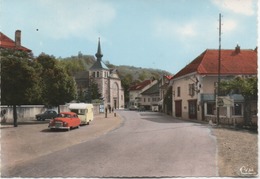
[158,34]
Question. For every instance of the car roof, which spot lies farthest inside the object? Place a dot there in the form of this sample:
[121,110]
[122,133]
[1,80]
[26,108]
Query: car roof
[71,113]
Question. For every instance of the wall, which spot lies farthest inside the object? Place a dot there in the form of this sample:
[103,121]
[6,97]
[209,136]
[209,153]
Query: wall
[28,112]
[183,83]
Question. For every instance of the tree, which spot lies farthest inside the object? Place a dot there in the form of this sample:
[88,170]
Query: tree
[247,87]
[126,81]
[58,87]
[93,91]
[19,79]
[167,101]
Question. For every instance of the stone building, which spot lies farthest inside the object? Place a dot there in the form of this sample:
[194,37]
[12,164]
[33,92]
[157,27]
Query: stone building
[108,81]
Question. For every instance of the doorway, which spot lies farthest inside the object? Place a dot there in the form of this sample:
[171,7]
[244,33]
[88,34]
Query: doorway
[193,109]
[178,106]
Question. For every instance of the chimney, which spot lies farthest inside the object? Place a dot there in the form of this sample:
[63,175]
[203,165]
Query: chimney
[17,38]
[237,49]
[256,49]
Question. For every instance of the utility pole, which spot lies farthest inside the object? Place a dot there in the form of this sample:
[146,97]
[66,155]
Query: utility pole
[219,68]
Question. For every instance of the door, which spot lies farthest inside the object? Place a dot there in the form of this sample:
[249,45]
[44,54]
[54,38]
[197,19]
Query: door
[178,111]
[193,109]
[115,104]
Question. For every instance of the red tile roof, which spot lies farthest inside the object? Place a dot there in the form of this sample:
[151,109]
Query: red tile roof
[168,76]
[140,86]
[232,63]
[6,42]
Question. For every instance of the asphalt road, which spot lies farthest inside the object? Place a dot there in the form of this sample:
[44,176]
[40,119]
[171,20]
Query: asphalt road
[147,144]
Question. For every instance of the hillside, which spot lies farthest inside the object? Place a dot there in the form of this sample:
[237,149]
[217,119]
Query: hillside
[82,62]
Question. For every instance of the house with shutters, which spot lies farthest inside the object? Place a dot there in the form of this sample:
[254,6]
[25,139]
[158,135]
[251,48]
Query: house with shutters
[194,86]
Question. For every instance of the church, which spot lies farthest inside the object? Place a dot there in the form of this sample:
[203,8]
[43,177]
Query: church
[108,81]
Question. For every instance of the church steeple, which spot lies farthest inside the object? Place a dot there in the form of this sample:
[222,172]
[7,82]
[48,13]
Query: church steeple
[99,54]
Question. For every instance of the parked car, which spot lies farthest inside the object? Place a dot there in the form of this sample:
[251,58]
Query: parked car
[65,120]
[49,114]
[132,107]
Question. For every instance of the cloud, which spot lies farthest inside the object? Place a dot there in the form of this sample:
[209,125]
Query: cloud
[170,29]
[245,7]
[229,25]
[63,19]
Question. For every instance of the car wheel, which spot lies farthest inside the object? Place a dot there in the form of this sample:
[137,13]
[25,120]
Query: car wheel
[87,123]
[78,126]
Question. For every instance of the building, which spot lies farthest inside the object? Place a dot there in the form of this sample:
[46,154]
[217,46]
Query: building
[165,84]
[108,82]
[150,98]
[135,93]
[194,87]
[7,43]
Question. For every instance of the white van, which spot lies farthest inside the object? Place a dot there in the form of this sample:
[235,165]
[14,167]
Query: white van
[84,111]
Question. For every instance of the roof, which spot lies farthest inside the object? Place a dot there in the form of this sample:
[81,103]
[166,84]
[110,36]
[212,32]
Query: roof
[233,62]
[168,76]
[71,113]
[140,86]
[80,106]
[99,65]
[152,90]
[6,42]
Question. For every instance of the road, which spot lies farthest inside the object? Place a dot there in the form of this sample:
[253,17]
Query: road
[147,144]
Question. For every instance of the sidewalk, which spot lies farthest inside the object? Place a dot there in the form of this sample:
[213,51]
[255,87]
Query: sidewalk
[26,142]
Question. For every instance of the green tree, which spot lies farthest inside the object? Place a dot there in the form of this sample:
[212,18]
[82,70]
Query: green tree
[58,86]
[92,92]
[19,79]
[167,101]
[247,87]
[143,75]
[126,81]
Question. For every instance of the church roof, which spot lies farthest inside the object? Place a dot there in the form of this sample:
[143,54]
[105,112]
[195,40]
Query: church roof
[99,64]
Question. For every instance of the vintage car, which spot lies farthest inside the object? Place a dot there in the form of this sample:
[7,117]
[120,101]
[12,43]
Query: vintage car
[49,114]
[65,120]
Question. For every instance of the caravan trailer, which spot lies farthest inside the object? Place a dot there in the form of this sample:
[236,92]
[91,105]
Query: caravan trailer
[84,111]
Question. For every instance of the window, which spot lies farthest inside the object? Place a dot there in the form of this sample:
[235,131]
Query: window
[93,74]
[178,91]
[191,89]
[210,108]
[144,100]
[237,109]
[98,74]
